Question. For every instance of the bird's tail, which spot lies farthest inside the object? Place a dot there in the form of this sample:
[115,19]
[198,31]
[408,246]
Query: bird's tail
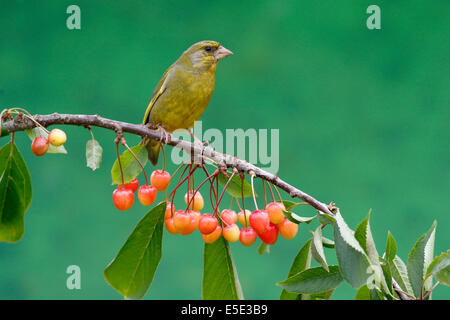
[152,147]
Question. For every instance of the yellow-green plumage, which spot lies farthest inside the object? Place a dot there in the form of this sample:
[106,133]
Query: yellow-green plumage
[184,91]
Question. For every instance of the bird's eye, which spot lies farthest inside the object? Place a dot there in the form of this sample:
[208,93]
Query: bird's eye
[208,48]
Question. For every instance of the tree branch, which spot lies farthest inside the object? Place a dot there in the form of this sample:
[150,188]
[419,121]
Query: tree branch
[223,160]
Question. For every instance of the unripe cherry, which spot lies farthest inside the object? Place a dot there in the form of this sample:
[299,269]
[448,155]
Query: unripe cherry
[275,211]
[242,217]
[133,185]
[39,146]
[207,223]
[213,236]
[147,194]
[57,137]
[170,226]
[288,229]
[123,198]
[271,235]
[229,216]
[160,179]
[259,221]
[231,233]
[197,203]
[181,220]
[247,236]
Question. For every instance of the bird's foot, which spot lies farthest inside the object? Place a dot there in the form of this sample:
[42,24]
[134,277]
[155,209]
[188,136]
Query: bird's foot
[165,136]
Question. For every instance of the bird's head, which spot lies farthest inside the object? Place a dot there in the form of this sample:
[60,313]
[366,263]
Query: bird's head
[204,55]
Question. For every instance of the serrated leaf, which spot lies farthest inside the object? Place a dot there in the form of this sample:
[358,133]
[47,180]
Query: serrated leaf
[317,248]
[15,193]
[363,293]
[391,247]
[263,248]
[419,258]
[385,266]
[327,243]
[132,270]
[235,186]
[39,132]
[296,218]
[131,168]
[324,219]
[94,153]
[301,262]
[353,261]
[318,296]
[220,278]
[400,274]
[440,268]
[313,280]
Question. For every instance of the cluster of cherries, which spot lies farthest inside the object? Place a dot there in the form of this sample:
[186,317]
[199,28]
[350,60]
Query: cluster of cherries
[265,224]
[123,196]
[40,145]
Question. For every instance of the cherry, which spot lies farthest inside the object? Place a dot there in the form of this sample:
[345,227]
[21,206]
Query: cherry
[39,146]
[229,216]
[123,198]
[213,236]
[231,233]
[259,221]
[197,204]
[288,229]
[193,225]
[181,220]
[170,226]
[160,179]
[57,137]
[271,235]
[147,194]
[242,217]
[133,185]
[207,223]
[275,211]
[168,213]
[247,236]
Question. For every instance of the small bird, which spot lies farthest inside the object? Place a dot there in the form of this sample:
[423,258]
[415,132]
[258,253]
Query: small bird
[183,92]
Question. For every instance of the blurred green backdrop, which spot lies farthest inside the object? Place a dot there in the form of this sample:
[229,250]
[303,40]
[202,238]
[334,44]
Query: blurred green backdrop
[363,118]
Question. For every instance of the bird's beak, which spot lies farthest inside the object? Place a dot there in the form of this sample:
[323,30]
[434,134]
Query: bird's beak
[221,53]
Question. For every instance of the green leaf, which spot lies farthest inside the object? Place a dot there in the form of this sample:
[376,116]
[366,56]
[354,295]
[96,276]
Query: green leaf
[400,274]
[318,296]
[94,153]
[440,268]
[288,205]
[131,168]
[327,243]
[317,248]
[39,132]
[296,218]
[324,219]
[132,270]
[353,261]
[419,259]
[385,266]
[263,248]
[220,278]
[391,247]
[235,186]
[313,280]
[15,193]
[301,262]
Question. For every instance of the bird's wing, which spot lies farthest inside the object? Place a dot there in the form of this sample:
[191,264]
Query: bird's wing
[159,90]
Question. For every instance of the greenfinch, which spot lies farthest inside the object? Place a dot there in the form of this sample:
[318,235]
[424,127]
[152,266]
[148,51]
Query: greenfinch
[183,92]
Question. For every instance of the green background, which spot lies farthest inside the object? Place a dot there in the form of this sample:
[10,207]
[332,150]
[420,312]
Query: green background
[363,118]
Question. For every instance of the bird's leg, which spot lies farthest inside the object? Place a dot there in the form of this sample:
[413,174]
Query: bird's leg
[165,136]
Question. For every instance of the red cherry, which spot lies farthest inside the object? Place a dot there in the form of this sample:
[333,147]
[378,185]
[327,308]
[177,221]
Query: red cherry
[259,221]
[231,233]
[181,220]
[247,236]
[147,194]
[275,211]
[207,223]
[133,185]
[271,235]
[160,179]
[229,216]
[288,229]
[213,236]
[193,225]
[39,146]
[170,226]
[123,198]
